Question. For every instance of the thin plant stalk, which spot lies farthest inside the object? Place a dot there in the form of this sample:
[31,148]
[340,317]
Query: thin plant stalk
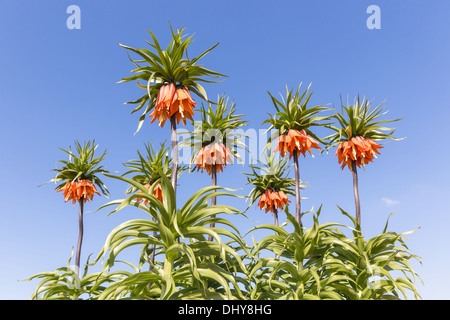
[275,217]
[80,235]
[173,132]
[356,192]
[297,189]
[213,199]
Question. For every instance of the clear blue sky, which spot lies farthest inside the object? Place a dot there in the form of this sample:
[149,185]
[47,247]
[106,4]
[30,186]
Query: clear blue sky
[58,85]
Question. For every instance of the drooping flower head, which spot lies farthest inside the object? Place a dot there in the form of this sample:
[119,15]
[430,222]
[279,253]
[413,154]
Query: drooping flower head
[165,99]
[296,140]
[173,102]
[183,106]
[214,154]
[272,200]
[78,190]
[358,149]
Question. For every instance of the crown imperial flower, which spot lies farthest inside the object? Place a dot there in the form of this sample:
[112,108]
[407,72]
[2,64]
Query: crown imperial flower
[78,190]
[272,200]
[173,102]
[358,149]
[296,140]
[214,154]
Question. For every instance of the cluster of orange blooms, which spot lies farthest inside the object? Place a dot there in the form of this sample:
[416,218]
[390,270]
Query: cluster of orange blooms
[214,154]
[157,192]
[272,200]
[173,102]
[358,149]
[79,189]
[296,140]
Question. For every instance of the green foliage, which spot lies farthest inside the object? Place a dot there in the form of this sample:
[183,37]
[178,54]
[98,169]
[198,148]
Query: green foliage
[323,263]
[382,256]
[320,262]
[65,284]
[81,165]
[190,266]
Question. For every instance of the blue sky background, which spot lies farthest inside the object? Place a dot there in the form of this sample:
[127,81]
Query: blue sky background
[58,85]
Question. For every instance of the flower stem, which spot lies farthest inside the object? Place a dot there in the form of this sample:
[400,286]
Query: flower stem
[356,192]
[80,236]
[297,190]
[275,217]
[213,199]
[173,133]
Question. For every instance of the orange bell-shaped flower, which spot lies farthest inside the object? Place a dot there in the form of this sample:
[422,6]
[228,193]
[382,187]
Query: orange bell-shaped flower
[283,145]
[296,140]
[79,189]
[172,102]
[214,154]
[164,100]
[302,142]
[272,200]
[182,106]
[358,149]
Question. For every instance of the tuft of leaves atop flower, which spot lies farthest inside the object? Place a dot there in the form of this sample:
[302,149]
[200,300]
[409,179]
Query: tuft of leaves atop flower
[158,67]
[270,175]
[360,120]
[218,125]
[82,165]
[293,113]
